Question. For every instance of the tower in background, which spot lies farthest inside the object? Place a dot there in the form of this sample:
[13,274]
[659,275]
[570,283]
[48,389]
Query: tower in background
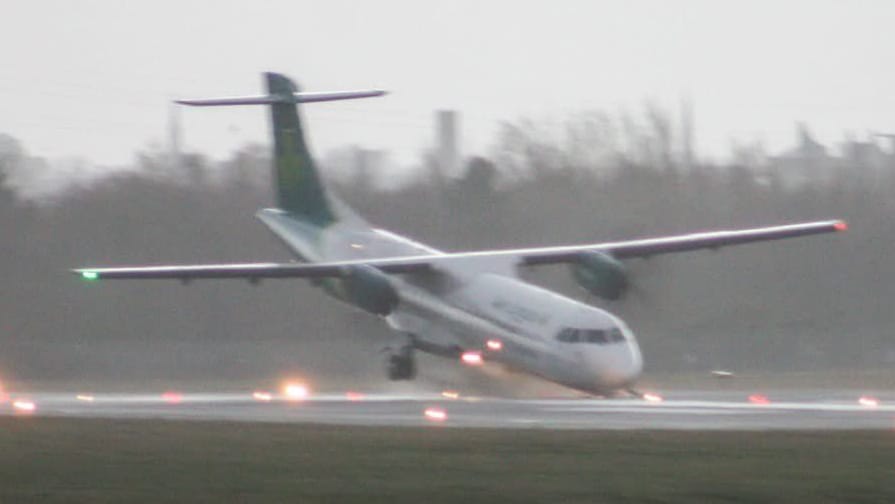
[447,149]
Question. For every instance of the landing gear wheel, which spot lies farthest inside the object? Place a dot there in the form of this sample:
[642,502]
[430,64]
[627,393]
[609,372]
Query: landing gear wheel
[401,365]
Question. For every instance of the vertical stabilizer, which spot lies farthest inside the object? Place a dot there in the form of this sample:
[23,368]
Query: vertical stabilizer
[298,187]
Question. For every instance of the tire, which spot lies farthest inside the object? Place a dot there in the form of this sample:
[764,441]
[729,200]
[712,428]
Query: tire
[401,366]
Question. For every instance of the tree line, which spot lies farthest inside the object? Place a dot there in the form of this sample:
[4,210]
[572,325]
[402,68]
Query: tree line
[809,303]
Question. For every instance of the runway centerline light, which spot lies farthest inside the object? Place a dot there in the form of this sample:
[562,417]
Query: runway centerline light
[85,397]
[24,406]
[172,397]
[472,358]
[262,396]
[435,414]
[759,399]
[868,401]
[354,396]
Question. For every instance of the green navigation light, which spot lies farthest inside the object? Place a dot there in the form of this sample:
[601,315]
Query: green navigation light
[90,275]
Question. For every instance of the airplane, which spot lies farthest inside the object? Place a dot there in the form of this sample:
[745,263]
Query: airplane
[470,306]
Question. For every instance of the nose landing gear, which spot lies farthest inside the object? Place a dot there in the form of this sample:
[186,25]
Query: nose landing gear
[634,392]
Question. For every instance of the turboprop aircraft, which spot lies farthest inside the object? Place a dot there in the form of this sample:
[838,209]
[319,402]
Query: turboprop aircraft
[470,306]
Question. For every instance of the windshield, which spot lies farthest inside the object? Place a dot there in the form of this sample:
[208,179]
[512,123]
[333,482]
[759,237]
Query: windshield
[593,336]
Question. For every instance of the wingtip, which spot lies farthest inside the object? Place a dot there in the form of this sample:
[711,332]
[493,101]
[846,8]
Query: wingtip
[85,274]
[840,226]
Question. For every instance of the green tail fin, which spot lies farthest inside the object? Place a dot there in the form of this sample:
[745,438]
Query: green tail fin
[298,187]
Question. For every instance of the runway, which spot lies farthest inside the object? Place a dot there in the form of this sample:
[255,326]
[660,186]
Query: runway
[678,410]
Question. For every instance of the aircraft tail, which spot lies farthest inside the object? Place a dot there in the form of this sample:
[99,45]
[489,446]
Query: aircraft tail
[298,186]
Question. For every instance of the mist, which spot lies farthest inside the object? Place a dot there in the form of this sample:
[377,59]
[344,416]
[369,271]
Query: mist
[807,304]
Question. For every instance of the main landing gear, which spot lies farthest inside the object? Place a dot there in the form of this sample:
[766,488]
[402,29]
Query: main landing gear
[400,364]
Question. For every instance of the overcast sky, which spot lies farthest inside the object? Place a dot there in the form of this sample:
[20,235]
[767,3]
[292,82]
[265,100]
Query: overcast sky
[92,78]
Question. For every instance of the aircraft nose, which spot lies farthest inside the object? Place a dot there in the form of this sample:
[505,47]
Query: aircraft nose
[618,366]
[634,362]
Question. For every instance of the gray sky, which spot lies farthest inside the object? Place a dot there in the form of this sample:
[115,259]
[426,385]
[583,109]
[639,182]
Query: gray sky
[92,78]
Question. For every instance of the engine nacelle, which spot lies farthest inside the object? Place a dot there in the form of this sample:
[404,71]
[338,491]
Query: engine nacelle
[601,274]
[365,287]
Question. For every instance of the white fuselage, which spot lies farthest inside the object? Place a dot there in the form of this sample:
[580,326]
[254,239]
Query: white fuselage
[467,304]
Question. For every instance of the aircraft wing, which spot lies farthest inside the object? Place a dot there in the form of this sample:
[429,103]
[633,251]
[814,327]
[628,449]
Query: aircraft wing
[427,263]
[250,271]
[681,243]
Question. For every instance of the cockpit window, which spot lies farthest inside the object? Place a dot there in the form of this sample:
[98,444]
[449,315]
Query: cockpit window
[615,335]
[568,335]
[594,336]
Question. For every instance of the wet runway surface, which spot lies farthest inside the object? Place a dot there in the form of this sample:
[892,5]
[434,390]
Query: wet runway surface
[679,410]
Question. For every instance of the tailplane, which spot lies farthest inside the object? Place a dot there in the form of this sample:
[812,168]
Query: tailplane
[299,189]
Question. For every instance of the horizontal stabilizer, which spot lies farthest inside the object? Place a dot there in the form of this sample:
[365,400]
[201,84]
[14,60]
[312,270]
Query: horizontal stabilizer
[302,97]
